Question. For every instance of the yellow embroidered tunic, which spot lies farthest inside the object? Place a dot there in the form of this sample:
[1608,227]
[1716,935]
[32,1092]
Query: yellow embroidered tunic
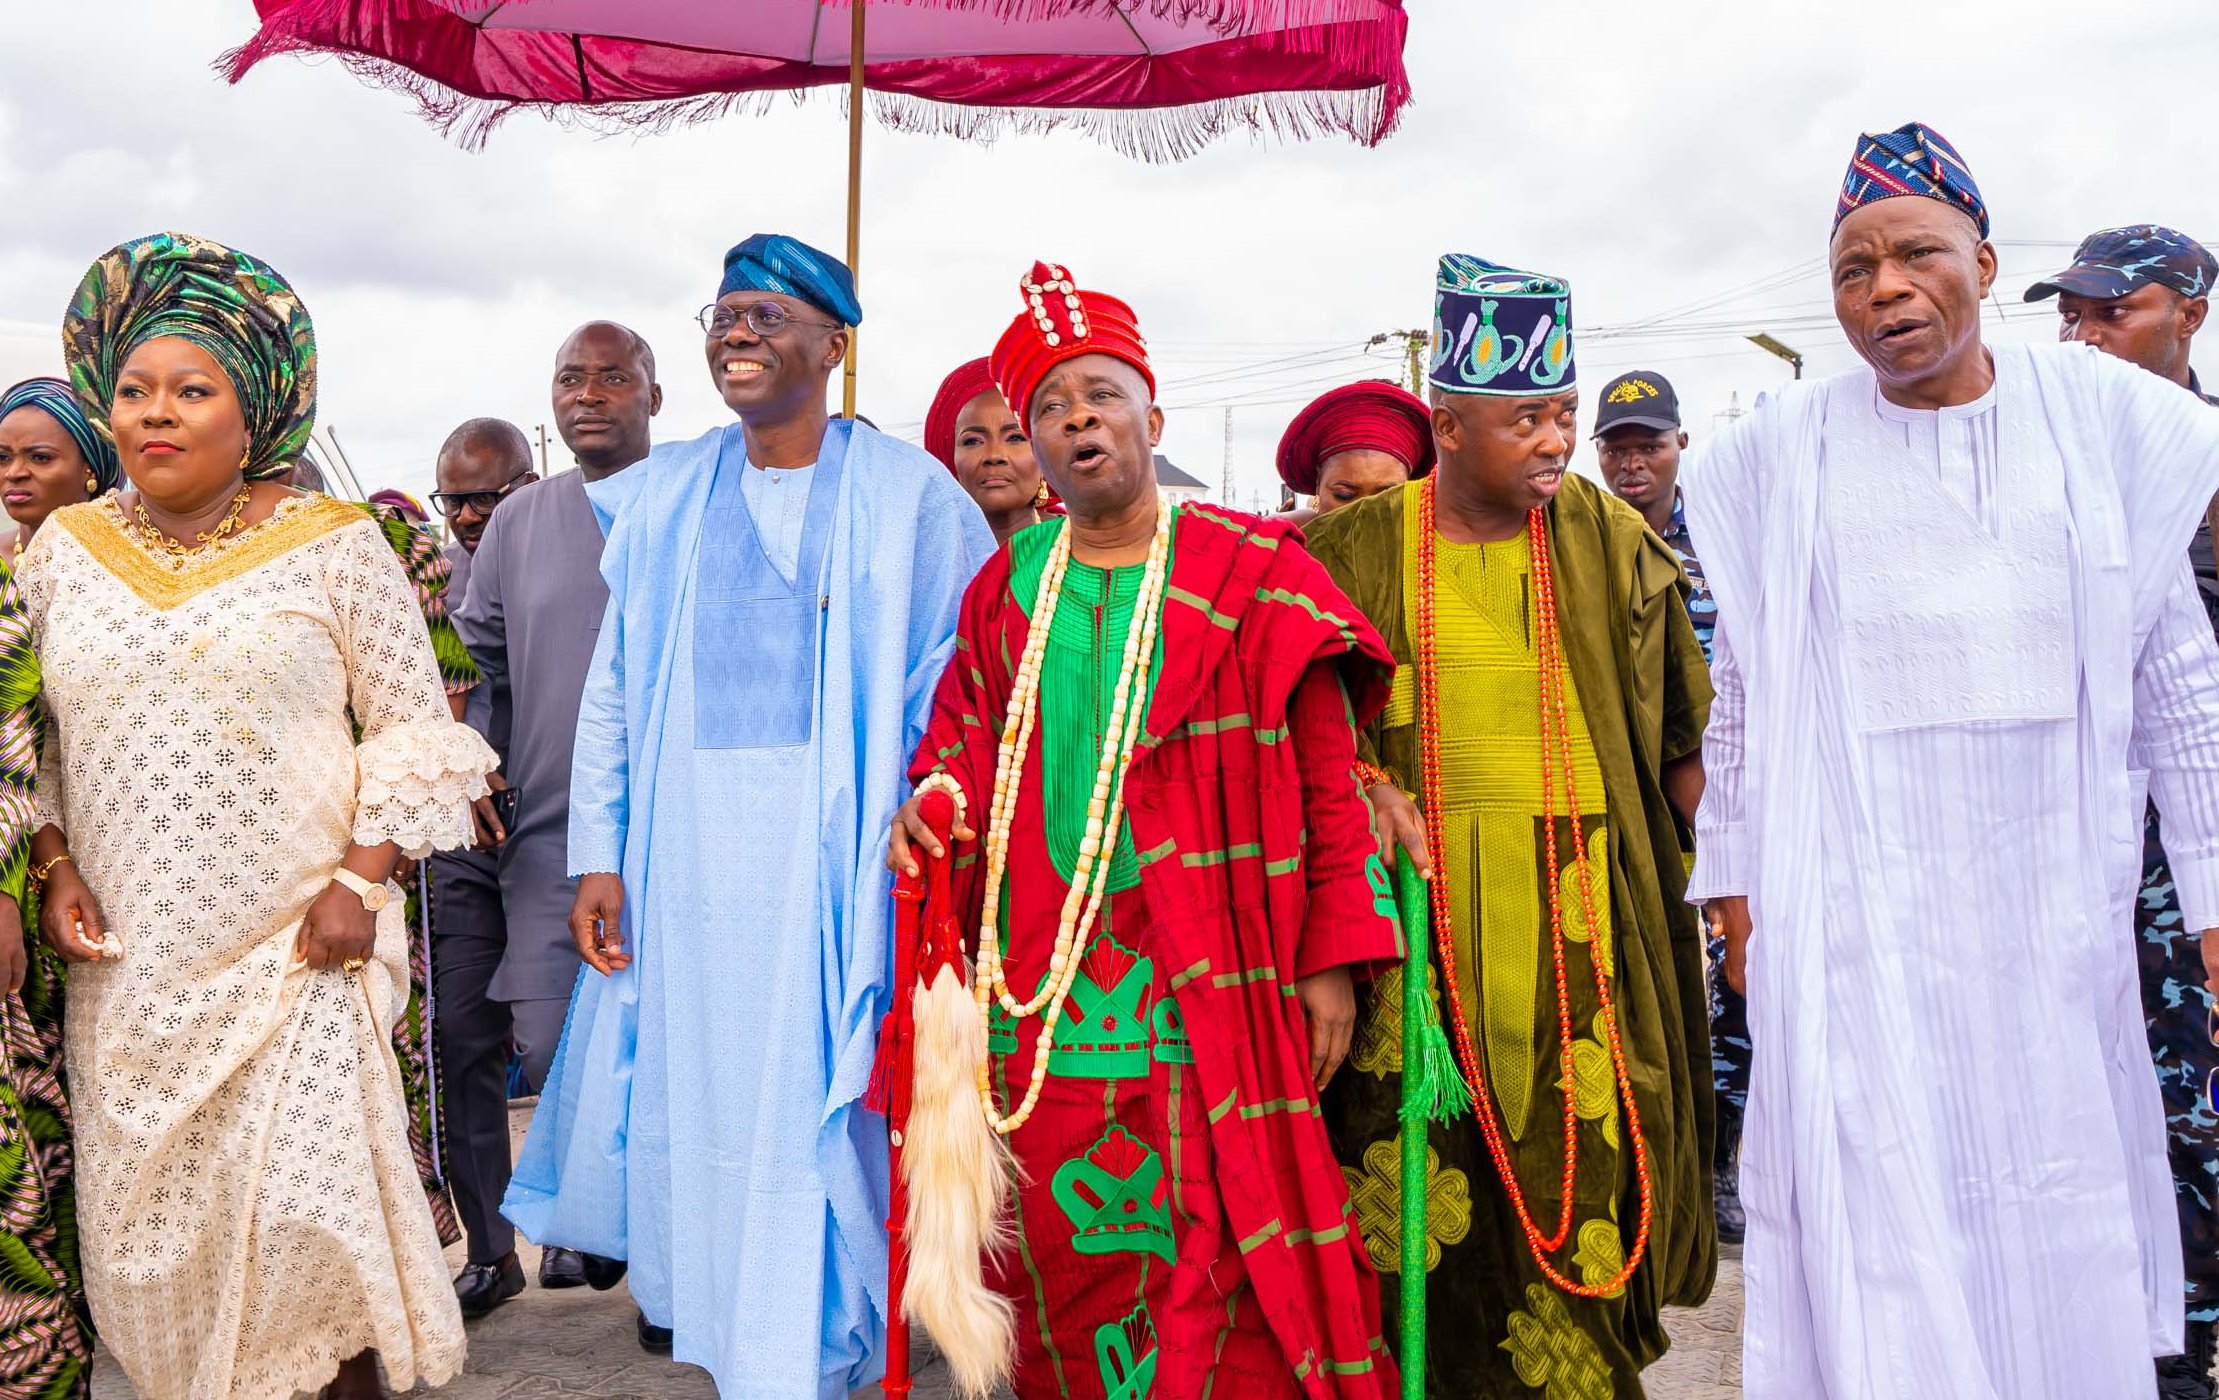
[1487,642]
[1635,696]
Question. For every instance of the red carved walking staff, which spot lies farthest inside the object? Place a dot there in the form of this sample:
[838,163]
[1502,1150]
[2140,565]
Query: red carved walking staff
[928,946]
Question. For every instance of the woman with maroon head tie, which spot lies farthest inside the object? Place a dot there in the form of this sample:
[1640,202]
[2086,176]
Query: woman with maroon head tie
[975,433]
[1352,442]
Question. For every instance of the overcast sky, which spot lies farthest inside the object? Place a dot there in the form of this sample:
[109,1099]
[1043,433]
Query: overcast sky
[1677,160]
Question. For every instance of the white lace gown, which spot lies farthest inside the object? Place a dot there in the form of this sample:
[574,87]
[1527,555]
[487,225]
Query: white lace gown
[250,1213]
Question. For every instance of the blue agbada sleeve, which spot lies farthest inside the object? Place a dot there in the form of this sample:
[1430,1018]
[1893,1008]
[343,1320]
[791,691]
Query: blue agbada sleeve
[953,542]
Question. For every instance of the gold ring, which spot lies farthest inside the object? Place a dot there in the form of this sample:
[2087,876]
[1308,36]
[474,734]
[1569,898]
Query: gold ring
[354,965]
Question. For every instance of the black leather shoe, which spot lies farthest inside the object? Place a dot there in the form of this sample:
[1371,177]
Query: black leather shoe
[602,1272]
[561,1268]
[1726,1200]
[654,1339]
[483,1287]
[2188,1376]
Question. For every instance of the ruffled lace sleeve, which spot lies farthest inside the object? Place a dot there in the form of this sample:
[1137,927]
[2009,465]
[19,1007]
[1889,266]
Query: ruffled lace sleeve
[417,768]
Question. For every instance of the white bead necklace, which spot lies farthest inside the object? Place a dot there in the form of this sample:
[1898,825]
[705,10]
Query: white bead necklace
[1105,811]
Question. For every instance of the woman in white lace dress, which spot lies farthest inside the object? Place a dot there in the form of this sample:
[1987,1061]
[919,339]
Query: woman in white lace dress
[217,850]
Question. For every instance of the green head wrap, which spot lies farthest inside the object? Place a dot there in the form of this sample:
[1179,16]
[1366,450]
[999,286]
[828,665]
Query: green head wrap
[228,303]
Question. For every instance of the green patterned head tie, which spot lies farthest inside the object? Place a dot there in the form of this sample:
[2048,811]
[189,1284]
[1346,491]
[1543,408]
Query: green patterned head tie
[228,303]
[1500,331]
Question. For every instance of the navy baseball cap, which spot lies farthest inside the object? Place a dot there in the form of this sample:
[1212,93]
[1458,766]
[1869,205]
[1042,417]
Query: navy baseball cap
[1641,399]
[2117,261]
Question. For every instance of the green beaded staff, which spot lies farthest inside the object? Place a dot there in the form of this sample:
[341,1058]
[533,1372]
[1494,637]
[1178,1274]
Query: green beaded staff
[1433,1091]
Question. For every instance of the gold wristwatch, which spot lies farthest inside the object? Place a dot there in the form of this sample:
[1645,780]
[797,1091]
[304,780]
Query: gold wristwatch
[374,897]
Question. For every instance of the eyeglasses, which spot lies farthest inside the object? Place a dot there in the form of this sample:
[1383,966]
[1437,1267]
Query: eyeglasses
[455,502]
[764,318]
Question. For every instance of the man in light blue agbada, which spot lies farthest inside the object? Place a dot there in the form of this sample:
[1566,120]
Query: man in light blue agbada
[783,597]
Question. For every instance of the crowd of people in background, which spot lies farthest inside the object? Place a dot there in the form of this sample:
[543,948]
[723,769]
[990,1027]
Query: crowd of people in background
[1819,827]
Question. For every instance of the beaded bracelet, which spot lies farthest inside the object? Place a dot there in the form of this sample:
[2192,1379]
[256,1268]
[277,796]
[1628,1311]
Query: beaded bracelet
[1373,775]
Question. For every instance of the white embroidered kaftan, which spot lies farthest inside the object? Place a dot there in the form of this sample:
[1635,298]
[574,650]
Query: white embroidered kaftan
[1944,640]
[249,1210]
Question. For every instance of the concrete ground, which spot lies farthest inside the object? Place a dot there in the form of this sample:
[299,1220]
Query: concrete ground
[577,1343]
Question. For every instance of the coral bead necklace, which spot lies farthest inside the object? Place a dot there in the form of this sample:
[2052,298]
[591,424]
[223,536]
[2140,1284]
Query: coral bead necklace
[1556,766]
[1105,811]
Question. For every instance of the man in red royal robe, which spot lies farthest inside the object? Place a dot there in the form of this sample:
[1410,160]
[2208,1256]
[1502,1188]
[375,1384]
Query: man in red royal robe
[1181,1226]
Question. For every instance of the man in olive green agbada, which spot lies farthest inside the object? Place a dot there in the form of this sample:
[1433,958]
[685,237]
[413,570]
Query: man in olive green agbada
[1545,628]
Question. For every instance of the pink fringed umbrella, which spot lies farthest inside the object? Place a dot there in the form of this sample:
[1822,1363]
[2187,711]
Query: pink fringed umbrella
[1158,79]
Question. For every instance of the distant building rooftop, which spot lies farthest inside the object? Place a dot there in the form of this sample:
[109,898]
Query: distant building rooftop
[1169,475]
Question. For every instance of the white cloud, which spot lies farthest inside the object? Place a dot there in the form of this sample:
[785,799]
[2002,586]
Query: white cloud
[1657,155]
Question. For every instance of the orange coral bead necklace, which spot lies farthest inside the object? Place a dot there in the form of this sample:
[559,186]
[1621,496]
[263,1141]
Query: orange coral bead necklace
[1556,764]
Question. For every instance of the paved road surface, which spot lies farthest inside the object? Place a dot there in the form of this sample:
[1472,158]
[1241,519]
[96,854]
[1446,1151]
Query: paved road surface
[576,1343]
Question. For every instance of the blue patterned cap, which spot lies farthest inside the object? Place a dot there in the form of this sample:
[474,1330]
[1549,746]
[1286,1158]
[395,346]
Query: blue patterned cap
[1500,331]
[2116,261]
[1912,159]
[772,262]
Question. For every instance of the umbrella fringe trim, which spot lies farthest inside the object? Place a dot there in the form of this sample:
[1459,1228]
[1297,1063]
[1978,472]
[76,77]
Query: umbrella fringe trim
[1160,135]
[1229,17]
[1155,134]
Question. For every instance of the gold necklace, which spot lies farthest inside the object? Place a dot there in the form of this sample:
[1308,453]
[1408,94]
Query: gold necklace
[154,538]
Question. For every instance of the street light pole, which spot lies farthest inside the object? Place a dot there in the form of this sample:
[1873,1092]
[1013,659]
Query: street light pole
[1773,347]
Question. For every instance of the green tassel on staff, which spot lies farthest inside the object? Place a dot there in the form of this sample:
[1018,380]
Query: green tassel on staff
[1433,1091]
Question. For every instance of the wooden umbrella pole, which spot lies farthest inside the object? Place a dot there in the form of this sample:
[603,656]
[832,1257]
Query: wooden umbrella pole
[855,188]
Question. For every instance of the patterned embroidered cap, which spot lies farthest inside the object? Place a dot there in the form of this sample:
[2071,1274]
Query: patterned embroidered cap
[1060,323]
[1500,331]
[1912,159]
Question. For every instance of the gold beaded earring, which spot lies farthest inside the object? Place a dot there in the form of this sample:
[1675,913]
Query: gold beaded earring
[92,484]
[1041,497]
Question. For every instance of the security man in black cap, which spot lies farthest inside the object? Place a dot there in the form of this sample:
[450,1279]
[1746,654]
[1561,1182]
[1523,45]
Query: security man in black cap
[2141,293]
[1638,442]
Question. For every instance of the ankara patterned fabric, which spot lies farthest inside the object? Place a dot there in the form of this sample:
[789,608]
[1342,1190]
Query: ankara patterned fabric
[208,790]
[1643,696]
[428,572]
[45,1327]
[229,303]
[1184,1229]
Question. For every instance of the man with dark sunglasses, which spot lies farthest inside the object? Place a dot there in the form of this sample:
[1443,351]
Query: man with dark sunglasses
[468,504]
[479,463]
[783,595]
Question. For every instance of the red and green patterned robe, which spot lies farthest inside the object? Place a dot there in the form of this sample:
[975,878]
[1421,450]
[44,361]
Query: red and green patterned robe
[1184,1229]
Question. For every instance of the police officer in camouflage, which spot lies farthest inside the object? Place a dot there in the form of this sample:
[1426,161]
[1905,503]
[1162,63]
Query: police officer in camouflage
[2141,293]
[1638,442]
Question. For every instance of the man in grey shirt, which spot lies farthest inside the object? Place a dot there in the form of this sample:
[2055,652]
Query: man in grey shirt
[530,618]
[480,466]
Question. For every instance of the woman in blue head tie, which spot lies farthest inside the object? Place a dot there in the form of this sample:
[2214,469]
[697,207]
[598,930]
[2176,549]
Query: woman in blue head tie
[50,457]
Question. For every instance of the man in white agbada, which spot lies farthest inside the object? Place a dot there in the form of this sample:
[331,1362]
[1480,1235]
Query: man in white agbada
[1958,641]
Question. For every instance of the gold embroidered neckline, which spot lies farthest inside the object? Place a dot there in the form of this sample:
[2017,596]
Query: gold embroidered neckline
[162,582]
